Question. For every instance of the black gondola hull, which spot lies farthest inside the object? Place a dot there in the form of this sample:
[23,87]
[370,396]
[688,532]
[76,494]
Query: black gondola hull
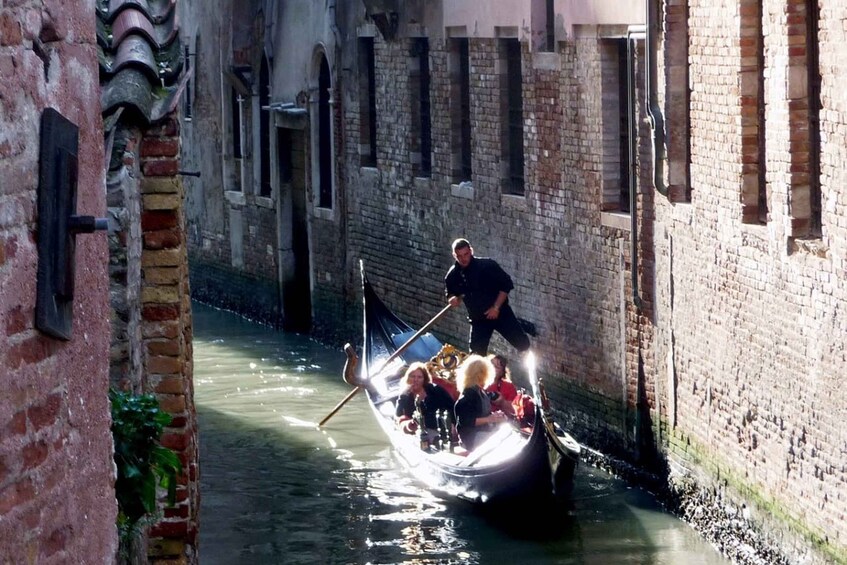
[515,466]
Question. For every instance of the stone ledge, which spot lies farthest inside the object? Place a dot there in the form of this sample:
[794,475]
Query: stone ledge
[265,202]
[235,197]
[616,220]
[462,190]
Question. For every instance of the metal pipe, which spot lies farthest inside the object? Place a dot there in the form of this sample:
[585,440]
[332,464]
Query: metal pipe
[657,121]
[631,35]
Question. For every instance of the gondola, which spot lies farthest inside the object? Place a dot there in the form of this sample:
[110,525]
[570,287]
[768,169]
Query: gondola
[529,463]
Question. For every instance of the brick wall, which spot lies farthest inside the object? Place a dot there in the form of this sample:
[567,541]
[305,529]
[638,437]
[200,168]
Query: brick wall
[751,314]
[715,350]
[151,324]
[166,330]
[57,501]
[728,367]
[401,225]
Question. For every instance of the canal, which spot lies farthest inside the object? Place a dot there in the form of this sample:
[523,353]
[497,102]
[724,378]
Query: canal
[275,489]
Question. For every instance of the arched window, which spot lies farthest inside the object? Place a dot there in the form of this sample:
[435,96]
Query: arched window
[324,136]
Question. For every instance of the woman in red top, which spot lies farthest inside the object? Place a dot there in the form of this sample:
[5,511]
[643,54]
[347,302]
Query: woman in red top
[502,378]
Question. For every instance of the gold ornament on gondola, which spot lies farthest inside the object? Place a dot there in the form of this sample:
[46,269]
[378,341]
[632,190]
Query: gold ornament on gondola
[446,361]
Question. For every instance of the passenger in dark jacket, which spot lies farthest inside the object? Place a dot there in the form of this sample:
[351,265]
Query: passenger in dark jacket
[484,288]
[474,417]
[433,398]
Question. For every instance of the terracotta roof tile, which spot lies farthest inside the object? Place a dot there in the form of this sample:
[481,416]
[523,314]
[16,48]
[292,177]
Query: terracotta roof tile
[157,10]
[140,56]
[161,31]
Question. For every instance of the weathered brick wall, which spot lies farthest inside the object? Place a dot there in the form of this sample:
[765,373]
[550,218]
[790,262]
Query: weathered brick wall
[57,501]
[125,247]
[230,289]
[752,315]
[166,330]
[729,364]
[403,226]
[328,252]
[244,281]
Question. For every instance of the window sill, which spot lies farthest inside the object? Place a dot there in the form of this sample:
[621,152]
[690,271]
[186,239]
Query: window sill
[462,190]
[324,213]
[369,174]
[265,202]
[811,247]
[235,197]
[617,220]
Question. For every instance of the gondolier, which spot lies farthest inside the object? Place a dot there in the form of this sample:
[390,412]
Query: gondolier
[528,464]
[484,288]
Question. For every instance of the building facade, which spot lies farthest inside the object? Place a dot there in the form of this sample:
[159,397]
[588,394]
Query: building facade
[57,502]
[83,312]
[662,179]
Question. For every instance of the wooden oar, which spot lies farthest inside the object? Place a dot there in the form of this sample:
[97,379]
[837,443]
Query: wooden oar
[393,356]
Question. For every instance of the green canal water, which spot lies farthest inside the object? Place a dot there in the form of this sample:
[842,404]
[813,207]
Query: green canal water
[275,489]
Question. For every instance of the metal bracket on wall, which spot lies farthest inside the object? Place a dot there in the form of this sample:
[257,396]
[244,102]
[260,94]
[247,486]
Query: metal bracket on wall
[58,224]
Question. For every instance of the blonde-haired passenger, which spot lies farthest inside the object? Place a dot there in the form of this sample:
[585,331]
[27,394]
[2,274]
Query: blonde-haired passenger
[474,417]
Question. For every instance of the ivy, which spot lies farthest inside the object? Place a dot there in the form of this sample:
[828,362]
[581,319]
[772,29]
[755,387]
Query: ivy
[143,464]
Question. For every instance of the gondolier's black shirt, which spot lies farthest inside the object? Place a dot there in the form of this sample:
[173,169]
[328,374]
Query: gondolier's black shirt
[478,284]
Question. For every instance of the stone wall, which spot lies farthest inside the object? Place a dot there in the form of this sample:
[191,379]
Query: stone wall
[233,235]
[57,502]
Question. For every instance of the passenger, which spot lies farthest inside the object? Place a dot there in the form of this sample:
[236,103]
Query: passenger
[433,398]
[502,378]
[474,417]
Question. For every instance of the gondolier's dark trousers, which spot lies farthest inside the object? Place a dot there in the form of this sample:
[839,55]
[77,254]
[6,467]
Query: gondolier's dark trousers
[506,325]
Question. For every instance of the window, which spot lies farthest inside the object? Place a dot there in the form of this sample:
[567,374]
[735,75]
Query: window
[511,117]
[814,104]
[419,81]
[543,22]
[804,115]
[285,150]
[264,129]
[235,107]
[367,103]
[236,100]
[677,123]
[460,109]
[617,131]
[754,197]
[187,111]
[325,137]
[550,25]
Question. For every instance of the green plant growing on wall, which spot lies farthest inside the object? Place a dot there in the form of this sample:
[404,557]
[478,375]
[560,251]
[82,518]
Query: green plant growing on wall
[143,464]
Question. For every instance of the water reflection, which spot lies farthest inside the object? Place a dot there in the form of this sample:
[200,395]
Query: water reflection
[276,489]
